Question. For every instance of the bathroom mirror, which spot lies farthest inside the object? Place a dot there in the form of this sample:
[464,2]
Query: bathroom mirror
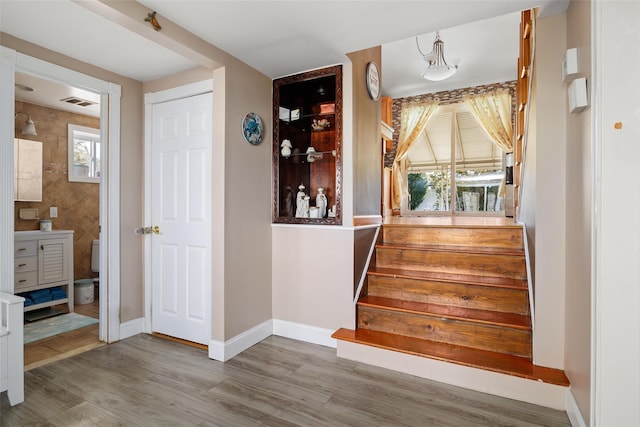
[84,154]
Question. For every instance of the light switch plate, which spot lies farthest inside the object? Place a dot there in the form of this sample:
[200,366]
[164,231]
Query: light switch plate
[53,212]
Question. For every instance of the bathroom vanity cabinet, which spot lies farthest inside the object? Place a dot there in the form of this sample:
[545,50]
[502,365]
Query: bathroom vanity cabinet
[307,147]
[43,260]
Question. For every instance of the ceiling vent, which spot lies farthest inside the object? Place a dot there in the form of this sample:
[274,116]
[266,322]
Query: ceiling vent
[78,101]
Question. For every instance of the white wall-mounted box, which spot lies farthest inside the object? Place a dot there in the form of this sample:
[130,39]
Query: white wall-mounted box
[570,63]
[578,95]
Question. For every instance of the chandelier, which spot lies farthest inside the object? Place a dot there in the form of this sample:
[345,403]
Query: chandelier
[437,67]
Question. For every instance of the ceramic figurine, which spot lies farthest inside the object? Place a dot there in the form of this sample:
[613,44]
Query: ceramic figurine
[305,207]
[286,148]
[321,203]
[300,202]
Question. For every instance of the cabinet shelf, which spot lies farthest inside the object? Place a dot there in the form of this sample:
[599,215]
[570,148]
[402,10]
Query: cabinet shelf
[41,286]
[47,304]
[308,113]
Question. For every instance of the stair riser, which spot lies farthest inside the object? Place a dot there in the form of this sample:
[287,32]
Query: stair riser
[480,237]
[452,262]
[455,294]
[464,333]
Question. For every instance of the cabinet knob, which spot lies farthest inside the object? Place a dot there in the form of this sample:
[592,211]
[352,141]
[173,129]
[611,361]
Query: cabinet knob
[22,280]
[22,249]
[21,265]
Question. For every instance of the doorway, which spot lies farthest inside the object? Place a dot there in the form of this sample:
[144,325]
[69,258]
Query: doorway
[178,207]
[109,94]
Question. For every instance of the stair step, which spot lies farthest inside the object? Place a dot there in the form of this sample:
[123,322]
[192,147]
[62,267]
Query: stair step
[484,293]
[486,317]
[466,249]
[457,235]
[479,332]
[509,265]
[442,276]
[520,367]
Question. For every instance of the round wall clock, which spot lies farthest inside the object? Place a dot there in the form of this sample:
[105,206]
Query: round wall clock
[252,128]
[373,81]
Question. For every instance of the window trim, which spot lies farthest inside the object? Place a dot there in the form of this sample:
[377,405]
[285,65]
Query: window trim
[93,135]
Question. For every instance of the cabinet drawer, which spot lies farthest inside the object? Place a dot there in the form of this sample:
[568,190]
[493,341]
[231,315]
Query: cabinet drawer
[27,263]
[25,279]
[26,248]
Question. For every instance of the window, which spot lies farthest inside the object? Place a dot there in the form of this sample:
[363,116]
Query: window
[452,141]
[84,154]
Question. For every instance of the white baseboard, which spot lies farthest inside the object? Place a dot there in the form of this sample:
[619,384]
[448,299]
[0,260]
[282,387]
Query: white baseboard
[131,328]
[573,411]
[223,351]
[301,332]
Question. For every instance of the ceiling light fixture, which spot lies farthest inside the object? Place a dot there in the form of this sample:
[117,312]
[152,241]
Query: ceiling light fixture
[29,127]
[437,67]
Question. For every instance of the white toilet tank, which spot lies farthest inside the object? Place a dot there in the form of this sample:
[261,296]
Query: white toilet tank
[95,256]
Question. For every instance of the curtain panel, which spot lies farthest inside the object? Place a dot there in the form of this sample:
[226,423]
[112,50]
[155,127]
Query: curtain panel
[413,120]
[492,112]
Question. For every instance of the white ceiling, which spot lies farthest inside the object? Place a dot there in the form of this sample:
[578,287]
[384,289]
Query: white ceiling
[285,37]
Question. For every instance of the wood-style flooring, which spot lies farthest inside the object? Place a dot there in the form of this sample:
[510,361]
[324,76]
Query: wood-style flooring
[148,381]
[39,353]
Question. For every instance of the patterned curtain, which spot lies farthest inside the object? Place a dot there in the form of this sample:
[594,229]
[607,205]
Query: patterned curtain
[413,120]
[492,111]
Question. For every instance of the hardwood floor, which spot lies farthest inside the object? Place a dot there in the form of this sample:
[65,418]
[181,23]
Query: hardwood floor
[39,353]
[147,381]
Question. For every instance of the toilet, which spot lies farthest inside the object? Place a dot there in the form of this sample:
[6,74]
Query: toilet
[95,260]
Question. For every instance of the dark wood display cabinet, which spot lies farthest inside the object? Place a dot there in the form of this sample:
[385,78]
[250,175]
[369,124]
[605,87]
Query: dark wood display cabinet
[307,147]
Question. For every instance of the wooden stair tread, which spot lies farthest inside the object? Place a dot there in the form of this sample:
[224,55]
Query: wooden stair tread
[485,250]
[418,224]
[492,281]
[481,359]
[510,320]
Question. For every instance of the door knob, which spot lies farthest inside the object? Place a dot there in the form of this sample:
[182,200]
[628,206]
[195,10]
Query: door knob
[147,230]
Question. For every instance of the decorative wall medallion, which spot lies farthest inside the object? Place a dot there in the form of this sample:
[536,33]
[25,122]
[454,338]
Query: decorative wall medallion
[252,128]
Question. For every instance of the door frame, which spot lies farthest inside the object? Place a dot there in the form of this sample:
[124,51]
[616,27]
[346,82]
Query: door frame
[11,62]
[151,98]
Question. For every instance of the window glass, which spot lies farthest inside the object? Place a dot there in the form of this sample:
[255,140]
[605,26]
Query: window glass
[84,154]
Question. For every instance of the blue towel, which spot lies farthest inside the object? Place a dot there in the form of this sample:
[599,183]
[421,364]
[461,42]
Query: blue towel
[42,299]
[41,293]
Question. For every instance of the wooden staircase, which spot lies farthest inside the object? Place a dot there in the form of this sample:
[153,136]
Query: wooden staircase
[455,293]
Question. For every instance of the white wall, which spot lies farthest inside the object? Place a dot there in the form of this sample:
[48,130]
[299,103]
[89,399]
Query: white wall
[616,293]
[579,205]
[550,193]
[313,275]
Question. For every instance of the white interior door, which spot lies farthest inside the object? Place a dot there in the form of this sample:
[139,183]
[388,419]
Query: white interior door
[181,208]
